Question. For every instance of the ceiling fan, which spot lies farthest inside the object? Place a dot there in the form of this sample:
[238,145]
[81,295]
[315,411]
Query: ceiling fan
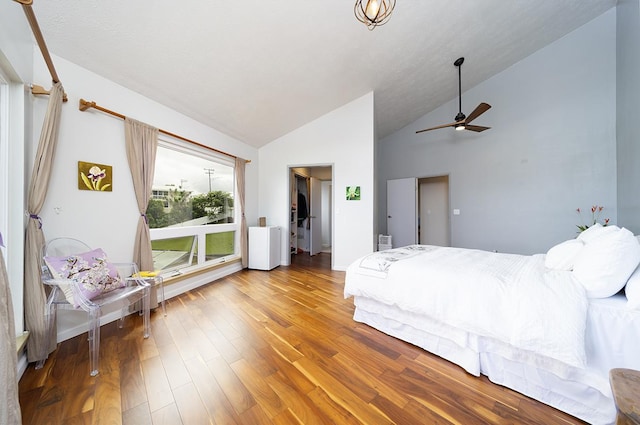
[461,120]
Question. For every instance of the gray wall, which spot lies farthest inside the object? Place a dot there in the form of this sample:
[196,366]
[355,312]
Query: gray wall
[628,108]
[551,150]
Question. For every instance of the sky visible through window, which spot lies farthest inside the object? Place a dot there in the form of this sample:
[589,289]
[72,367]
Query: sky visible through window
[191,173]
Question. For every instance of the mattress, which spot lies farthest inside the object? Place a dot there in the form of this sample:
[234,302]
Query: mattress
[612,339]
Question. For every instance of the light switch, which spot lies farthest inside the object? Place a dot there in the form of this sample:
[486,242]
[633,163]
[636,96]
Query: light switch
[456,212]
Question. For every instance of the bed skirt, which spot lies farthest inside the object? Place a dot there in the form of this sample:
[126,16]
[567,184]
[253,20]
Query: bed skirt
[583,393]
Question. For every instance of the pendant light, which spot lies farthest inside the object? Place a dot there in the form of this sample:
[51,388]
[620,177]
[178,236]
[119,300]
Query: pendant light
[373,13]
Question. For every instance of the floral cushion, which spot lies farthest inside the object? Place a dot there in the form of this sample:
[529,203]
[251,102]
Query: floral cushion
[91,272]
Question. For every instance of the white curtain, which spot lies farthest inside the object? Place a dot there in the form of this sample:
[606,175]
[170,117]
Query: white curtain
[34,294]
[239,170]
[142,143]
[8,360]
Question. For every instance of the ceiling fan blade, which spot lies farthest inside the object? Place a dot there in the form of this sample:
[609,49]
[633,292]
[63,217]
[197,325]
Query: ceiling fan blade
[480,109]
[476,128]
[453,124]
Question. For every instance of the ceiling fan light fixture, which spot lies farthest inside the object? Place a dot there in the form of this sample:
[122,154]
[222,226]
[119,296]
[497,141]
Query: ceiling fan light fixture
[373,13]
[461,120]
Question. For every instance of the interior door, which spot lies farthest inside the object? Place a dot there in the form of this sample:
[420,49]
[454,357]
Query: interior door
[315,215]
[402,211]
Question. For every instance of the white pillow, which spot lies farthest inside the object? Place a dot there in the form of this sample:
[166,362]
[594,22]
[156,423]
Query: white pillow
[563,255]
[606,262]
[632,290]
[596,231]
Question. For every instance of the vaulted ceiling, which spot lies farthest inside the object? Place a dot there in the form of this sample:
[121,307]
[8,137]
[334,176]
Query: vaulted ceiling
[257,69]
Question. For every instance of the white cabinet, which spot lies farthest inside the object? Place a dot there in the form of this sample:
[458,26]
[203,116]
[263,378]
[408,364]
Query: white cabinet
[264,247]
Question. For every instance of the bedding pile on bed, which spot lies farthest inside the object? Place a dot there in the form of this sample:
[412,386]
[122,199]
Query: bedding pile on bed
[511,298]
[602,258]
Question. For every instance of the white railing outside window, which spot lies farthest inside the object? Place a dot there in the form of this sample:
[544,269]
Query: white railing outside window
[187,246]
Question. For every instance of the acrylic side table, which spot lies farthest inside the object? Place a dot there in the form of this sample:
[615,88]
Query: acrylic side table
[156,281]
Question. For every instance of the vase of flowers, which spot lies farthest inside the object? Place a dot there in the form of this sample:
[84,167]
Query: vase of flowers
[596,210]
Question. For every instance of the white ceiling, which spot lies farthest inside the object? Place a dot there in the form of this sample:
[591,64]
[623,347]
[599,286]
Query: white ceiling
[257,69]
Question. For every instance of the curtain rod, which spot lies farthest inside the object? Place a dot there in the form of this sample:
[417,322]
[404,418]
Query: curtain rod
[84,105]
[35,28]
[37,33]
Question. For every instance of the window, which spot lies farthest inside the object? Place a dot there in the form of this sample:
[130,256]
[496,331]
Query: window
[191,212]
[12,185]
[162,195]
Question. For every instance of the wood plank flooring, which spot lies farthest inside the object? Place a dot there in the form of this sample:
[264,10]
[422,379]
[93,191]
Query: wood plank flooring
[258,347]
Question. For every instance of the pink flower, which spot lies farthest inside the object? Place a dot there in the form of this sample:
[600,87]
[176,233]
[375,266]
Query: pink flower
[595,216]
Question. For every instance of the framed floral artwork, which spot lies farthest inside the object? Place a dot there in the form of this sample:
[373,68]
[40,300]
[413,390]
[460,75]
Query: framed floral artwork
[96,177]
[353,193]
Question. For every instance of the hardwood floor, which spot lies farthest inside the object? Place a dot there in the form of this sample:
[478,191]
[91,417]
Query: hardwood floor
[258,347]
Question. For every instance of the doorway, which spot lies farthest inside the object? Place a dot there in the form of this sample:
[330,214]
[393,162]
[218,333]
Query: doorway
[418,211]
[433,206]
[311,211]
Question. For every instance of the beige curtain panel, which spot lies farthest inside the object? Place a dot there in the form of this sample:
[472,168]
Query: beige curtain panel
[239,169]
[8,359]
[142,143]
[34,294]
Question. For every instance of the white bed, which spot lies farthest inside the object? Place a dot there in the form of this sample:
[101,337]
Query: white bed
[506,316]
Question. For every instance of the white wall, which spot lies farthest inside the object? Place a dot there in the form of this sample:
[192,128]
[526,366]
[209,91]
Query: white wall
[93,136]
[16,42]
[343,138]
[628,105]
[551,149]
[108,219]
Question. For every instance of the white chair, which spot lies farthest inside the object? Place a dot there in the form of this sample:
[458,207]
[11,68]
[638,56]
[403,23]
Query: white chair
[61,289]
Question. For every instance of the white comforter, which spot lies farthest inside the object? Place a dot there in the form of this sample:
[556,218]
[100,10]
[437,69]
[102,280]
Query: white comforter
[510,298]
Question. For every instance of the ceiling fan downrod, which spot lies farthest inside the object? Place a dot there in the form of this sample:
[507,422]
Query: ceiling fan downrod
[459,63]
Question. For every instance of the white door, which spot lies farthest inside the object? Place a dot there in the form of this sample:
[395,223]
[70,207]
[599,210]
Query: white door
[402,211]
[434,211]
[315,215]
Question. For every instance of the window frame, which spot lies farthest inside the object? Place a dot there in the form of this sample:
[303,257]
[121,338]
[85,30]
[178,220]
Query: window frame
[13,182]
[201,231]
